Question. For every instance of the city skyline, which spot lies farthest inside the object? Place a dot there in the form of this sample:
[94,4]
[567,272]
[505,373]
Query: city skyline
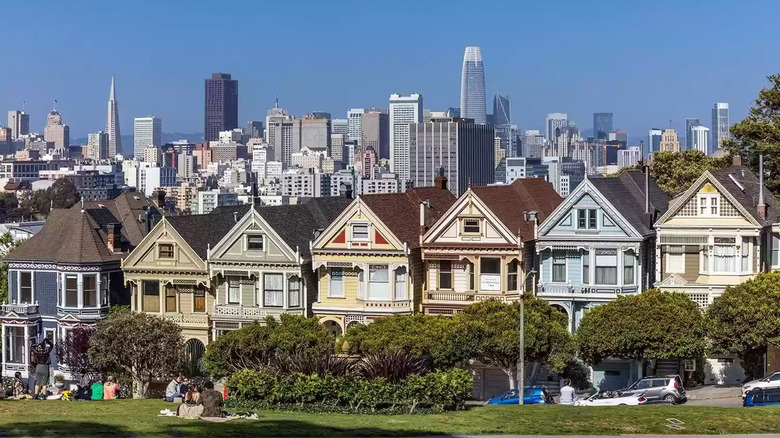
[522,66]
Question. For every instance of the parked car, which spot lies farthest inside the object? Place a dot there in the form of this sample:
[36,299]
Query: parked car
[657,388]
[612,398]
[762,397]
[531,396]
[770,381]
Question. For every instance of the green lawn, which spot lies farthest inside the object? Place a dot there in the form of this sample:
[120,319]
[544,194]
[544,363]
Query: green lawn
[139,417]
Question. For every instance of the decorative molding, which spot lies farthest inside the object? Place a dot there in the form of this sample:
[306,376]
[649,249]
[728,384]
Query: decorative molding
[34,266]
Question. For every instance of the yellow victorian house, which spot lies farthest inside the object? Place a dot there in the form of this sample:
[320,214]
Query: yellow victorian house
[368,261]
[168,274]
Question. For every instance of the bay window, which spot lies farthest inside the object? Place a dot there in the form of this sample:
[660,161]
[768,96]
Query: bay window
[273,290]
[15,345]
[511,275]
[151,296]
[378,282]
[472,274]
[585,267]
[25,288]
[400,283]
[490,274]
[294,292]
[71,291]
[745,250]
[336,285]
[234,290]
[775,250]
[89,291]
[559,266]
[675,259]
[725,256]
[629,260]
[445,274]
[606,267]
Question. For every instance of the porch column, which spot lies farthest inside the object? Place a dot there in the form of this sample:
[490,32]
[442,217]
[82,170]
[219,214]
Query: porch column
[285,288]
[161,296]
[26,346]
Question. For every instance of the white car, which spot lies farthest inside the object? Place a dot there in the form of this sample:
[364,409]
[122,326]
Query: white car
[611,399]
[771,381]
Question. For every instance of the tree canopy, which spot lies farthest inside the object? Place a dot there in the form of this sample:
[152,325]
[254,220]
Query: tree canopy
[759,133]
[674,172]
[650,325]
[746,319]
[138,345]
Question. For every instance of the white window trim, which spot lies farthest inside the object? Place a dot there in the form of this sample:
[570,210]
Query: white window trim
[737,259]
[675,270]
[583,267]
[330,283]
[173,247]
[709,197]
[587,226]
[470,233]
[565,264]
[254,251]
[622,263]
[19,286]
[227,291]
[53,331]
[352,237]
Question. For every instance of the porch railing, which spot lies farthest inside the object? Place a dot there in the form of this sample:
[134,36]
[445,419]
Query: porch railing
[20,309]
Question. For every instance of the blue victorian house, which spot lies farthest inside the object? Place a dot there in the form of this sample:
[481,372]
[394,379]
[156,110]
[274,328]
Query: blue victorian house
[597,245]
[69,274]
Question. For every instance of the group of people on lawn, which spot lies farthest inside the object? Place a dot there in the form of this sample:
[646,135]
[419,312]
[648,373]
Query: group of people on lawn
[196,400]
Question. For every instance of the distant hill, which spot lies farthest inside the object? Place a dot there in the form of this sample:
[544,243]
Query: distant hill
[167,137]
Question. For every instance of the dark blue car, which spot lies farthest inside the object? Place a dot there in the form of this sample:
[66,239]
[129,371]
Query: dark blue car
[531,396]
[762,397]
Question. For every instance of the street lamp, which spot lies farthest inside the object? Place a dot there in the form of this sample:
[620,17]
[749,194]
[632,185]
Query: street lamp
[521,384]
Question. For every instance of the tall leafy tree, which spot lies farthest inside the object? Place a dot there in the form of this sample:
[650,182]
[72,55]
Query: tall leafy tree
[650,325]
[674,172]
[492,329]
[74,350]
[745,320]
[759,133]
[138,345]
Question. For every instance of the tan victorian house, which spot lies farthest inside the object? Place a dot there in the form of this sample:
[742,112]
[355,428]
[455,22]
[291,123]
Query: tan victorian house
[483,247]
[368,260]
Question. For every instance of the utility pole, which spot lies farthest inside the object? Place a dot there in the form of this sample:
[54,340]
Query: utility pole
[521,383]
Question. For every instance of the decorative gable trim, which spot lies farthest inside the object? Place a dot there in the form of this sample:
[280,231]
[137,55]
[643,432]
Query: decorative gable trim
[673,280]
[251,221]
[469,199]
[339,226]
[149,243]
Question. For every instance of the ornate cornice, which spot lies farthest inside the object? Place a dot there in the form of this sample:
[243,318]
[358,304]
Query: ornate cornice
[35,266]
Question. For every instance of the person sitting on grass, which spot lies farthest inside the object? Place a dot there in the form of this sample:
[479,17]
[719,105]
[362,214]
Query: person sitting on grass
[184,387]
[568,395]
[193,404]
[212,401]
[97,389]
[110,388]
[172,390]
[17,386]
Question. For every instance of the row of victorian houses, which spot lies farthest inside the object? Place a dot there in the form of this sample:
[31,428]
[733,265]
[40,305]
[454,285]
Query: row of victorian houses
[349,261]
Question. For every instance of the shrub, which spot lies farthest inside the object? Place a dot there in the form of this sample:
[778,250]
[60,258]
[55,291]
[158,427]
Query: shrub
[391,366]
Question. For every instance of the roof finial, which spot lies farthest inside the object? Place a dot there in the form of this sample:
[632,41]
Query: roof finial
[82,205]
[469,182]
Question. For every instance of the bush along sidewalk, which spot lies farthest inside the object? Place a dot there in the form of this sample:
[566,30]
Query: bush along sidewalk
[434,392]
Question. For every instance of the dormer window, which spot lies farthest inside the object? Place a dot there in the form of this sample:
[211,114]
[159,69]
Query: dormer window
[255,243]
[709,205]
[165,250]
[471,226]
[360,232]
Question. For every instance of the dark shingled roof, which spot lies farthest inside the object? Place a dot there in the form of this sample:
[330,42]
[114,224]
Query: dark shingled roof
[626,193]
[202,231]
[508,202]
[400,212]
[80,237]
[749,197]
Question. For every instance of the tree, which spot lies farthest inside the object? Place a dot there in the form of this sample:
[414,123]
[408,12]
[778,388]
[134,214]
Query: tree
[141,346]
[492,329]
[650,325]
[7,243]
[73,350]
[63,193]
[269,345]
[759,133]
[674,172]
[745,320]
[427,337]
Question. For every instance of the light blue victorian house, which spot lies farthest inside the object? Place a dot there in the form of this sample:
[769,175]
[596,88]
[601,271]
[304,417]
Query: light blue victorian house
[597,245]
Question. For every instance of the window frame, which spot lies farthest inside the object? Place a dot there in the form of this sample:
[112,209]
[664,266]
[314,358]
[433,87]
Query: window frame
[587,219]
[353,234]
[629,280]
[601,268]
[20,287]
[163,248]
[298,283]
[585,262]
[198,294]
[249,238]
[465,224]
[144,294]
[445,273]
[668,259]
[233,283]
[273,292]
[86,293]
[378,268]
[340,281]
[74,291]
[170,292]
[512,275]
[559,261]
[711,201]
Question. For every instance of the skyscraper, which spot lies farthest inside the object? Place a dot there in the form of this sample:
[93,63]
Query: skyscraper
[653,142]
[97,146]
[720,126]
[472,86]
[147,131]
[404,110]
[375,128]
[699,136]
[501,110]
[56,132]
[690,123]
[19,122]
[355,125]
[556,124]
[221,105]
[112,124]
[670,141]
[602,125]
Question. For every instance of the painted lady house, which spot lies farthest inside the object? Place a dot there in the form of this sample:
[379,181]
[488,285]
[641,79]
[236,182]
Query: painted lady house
[69,273]
[368,261]
[597,245]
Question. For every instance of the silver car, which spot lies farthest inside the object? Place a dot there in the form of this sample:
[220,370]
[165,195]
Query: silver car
[659,388]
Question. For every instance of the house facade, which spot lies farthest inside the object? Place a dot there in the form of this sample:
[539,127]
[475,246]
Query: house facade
[69,274]
[483,246]
[368,261]
[598,245]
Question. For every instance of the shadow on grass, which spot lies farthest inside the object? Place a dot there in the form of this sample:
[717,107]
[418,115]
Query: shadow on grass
[200,428]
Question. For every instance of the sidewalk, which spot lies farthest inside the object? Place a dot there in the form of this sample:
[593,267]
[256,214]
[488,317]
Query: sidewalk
[710,392]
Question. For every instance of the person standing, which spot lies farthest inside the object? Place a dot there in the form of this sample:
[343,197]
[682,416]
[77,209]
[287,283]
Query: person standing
[41,360]
[568,394]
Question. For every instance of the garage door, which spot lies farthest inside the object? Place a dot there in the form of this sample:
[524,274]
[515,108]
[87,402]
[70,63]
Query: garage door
[723,371]
[609,377]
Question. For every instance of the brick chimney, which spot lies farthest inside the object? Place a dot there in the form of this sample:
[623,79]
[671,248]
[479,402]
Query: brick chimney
[114,237]
[440,181]
[736,160]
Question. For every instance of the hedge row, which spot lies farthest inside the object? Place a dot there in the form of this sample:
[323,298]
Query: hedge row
[434,392]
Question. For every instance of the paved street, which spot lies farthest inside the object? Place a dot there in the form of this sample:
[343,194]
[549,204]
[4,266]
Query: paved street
[731,402]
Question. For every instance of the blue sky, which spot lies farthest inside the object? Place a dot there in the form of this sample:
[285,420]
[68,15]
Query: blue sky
[647,62]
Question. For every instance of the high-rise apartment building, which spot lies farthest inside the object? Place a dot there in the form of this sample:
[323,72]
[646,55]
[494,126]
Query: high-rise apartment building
[376,126]
[355,125]
[555,125]
[670,141]
[720,126]
[339,126]
[699,138]
[112,124]
[629,157]
[464,150]
[97,146]
[472,86]
[501,110]
[507,134]
[533,144]
[602,125]
[147,131]
[221,105]
[369,169]
[279,134]
[19,122]
[56,132]
[254,129]
[404,110]
[690,123]
[653,142]
[310,132]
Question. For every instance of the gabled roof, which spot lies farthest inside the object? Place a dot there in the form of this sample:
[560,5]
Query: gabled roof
[747,195]
[626,193]
[201,231]
[78,234]
[508,202]
[400,212]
